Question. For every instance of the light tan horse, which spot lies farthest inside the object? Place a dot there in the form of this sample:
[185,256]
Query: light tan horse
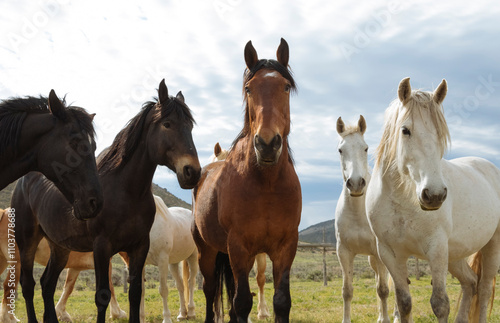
[260,259]
[171,244]
[77,262]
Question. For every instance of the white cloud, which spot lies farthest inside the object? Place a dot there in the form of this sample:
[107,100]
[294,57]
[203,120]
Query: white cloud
[110,58]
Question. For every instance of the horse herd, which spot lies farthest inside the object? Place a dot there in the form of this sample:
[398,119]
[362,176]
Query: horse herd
[69,209]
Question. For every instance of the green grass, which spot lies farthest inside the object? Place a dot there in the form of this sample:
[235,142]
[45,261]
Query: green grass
[311,301]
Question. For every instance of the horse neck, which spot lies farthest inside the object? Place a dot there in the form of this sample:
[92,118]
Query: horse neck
[30,142]
[135,176]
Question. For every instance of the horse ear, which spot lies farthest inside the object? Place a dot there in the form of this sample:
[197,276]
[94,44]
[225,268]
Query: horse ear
[283,53]
[340,126]
[180,97]
[56,107]
[404,90]
[163,92]
[251,57]
[440,92]
[92,116]
[362,124]
[217,150]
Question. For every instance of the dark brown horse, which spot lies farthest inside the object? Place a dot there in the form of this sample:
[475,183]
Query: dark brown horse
[40,134]
[159,134]
[252,202]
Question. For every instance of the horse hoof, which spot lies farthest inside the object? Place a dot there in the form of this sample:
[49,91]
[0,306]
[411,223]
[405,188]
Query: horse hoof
[191,316]
[120,315]
[65,317]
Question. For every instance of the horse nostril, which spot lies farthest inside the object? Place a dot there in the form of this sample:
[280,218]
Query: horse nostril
[277,142]
[188,171]
[443,196]
[363,183]
[425,196]
[93,204]
[349,183]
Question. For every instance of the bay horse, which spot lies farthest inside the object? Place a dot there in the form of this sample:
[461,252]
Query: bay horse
[260,259]
[352,229]
[423,205]
[160,134]
[43,134]
[77,261]
[251,203]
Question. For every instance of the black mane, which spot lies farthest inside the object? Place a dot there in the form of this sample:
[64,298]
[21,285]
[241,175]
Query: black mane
[127,140]
[14,111]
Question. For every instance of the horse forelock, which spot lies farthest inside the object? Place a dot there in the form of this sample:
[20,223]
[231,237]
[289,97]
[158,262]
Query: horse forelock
[386,155]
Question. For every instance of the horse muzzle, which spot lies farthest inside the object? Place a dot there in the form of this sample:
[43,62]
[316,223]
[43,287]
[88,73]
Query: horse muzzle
[188,173]
[268,152]
[432,201]
[87,208]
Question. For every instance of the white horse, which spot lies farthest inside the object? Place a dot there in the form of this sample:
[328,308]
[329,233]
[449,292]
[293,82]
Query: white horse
[171,243]
[443,211]
[352,229]
[260,260]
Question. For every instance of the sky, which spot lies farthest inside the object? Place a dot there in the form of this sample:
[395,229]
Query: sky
[347,57]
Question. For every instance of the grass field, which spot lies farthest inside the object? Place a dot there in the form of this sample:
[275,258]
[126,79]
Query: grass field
[311,301]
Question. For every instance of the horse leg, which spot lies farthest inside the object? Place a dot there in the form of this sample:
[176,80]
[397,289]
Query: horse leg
[27,250]
[468,282]
[163,265]
[282,259]
[490,265]
[438,261]
[69,284]
[346,260]
[192,262]
[174,269]
[399,273]
[136,266]
[263,311]
[382,288]
[241,263]
[207,262]
[116,311]
[57,262]
[102,256]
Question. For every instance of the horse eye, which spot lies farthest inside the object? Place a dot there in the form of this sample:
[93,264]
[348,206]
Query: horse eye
[287,88]
[340,151]
[166,124]
[247,89]
[366,149]
[406,131]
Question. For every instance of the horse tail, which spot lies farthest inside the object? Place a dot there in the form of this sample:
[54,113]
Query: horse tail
[476,264]
[185,280]
[223,274]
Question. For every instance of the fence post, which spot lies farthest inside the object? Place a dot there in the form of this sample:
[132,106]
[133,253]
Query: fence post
[417,276]
[325,280]
[125,279]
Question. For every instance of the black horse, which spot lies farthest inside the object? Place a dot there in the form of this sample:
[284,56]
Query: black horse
[40,134]
[159,134]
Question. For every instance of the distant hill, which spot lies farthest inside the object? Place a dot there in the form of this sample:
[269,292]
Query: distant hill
[168,197]
[314,233]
